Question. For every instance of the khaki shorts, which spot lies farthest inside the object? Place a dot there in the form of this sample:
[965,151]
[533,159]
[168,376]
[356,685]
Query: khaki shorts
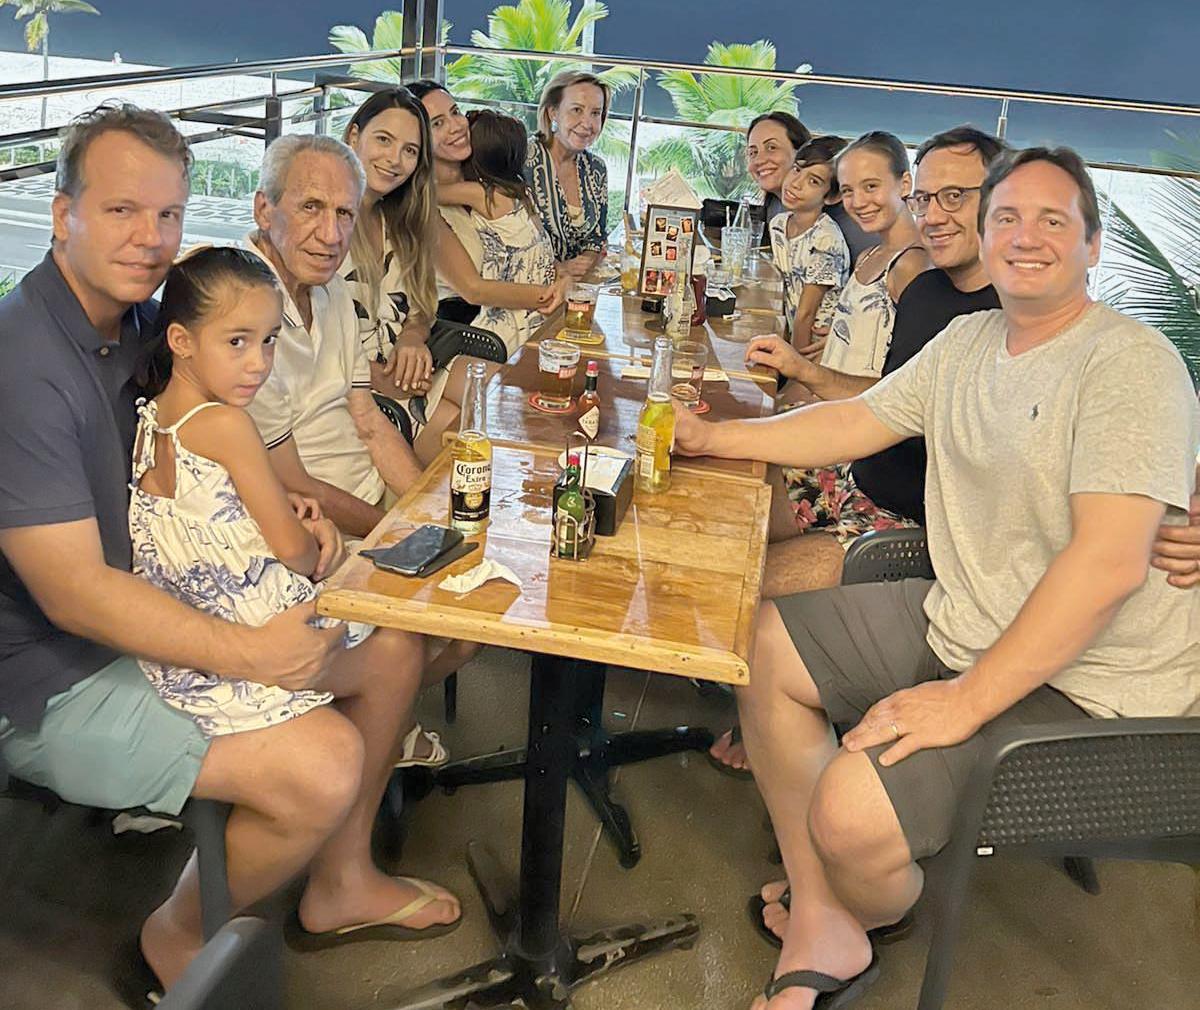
[110,741]
[863,643]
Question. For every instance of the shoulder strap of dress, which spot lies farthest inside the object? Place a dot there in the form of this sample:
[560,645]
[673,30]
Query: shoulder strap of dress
[892,262]
[174,429]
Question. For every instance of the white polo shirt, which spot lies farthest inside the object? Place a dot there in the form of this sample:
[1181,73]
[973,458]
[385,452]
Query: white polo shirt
[307,394]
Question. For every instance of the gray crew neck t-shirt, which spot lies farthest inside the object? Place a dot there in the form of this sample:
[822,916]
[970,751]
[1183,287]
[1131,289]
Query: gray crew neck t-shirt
[1107,406]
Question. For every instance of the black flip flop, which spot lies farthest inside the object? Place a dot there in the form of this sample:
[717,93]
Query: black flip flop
[735,733]
[134,980]
[832,993]
[881,935]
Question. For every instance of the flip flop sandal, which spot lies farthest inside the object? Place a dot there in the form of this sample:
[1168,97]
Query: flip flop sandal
[389,928]
[438,755]
[832,993]
[881,935]
[135,981]
[735,737]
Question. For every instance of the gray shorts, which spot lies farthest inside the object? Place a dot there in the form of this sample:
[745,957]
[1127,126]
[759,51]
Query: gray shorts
[862,643]
[110,741]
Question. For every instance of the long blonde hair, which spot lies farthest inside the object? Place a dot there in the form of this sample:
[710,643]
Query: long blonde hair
[552,96]
[409,213]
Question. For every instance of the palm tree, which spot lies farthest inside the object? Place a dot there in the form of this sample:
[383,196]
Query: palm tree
[387,34]
[37,28]
[543,26]
[1159,282]
[713,160]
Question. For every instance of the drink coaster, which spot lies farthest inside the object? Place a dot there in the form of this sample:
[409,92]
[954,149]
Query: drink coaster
[702,407]
[591,340]
[535,401]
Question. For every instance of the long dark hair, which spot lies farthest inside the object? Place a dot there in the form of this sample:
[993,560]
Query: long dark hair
[797,133]
[195,287]
[498,148]
[409,211]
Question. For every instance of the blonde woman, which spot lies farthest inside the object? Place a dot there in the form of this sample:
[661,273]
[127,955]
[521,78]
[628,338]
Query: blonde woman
[569,183]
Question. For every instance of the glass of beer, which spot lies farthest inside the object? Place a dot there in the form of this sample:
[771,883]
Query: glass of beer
[581,308]
[557,364]
[687,372]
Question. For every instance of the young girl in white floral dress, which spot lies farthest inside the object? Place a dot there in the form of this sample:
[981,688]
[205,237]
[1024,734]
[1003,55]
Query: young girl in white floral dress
[209,520]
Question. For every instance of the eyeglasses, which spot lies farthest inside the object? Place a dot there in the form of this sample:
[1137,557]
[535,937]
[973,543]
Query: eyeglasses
[949,198]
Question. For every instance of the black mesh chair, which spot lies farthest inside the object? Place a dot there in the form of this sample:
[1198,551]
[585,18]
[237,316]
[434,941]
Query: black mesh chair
[887,556]
[205,819]
[239,967]
[1112,788]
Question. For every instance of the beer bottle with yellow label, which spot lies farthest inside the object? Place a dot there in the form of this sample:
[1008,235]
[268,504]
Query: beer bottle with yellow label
[656,426]
[471,459]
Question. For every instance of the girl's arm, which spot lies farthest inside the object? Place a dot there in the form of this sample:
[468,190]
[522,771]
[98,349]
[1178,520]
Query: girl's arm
[227,435]
[806,312]
[458,270]
[463,194]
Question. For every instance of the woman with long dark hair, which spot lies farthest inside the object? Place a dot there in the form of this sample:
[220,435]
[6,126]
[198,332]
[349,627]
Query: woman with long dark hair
[461,287]
[391,265]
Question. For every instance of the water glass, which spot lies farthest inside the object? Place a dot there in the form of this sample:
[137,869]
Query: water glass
[735,245]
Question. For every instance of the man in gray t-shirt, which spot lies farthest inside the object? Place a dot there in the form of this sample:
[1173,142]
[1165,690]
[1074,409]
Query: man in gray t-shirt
[1060,435]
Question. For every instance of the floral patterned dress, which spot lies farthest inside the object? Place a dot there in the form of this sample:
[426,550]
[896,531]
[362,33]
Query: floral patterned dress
[205,549]
[862,324]
[517,250]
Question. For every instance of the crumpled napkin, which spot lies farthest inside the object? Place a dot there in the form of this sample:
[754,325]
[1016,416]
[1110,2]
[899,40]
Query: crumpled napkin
[475,577]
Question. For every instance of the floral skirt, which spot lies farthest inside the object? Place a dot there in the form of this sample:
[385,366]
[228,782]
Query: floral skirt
[828,499]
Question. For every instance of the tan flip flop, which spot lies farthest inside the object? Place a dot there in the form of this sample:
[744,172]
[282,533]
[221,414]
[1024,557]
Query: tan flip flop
[390,927]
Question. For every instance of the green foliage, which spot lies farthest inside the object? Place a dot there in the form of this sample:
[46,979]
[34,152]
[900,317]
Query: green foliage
[1160,283]
[214,177]
[387,34]
[537,25]
[713,161]
[37,27]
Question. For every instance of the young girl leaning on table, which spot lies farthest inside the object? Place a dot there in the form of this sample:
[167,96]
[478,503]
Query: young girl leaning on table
[516,248]
[209,520]
[807,245]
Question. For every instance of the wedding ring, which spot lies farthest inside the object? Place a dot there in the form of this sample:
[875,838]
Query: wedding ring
[895,729]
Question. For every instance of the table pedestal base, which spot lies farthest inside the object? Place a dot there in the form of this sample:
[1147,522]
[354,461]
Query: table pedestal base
[519,979]
[596,752]
[540,964]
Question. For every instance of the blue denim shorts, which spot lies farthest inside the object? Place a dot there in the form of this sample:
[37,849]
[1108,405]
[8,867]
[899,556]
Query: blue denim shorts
[110,741]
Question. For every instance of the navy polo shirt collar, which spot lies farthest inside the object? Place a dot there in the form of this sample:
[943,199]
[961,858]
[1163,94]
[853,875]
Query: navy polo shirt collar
[48,281]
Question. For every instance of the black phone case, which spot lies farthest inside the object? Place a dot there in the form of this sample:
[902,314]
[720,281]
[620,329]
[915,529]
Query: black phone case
[388,558]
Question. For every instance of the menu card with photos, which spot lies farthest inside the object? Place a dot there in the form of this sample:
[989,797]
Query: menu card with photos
[668,241]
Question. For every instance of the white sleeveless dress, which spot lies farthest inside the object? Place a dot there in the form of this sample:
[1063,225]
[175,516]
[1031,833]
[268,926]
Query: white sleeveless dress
[205,549]
[516,249]
[861,332]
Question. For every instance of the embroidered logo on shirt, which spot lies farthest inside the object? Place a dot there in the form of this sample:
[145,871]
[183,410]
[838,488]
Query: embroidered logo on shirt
[1033,414]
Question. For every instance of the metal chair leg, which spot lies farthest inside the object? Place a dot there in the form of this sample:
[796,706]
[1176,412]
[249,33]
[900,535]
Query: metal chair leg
[946,927]
[207,820]
[450,696]
[1083,871]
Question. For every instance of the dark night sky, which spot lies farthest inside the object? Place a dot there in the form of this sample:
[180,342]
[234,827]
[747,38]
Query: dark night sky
[1115,48]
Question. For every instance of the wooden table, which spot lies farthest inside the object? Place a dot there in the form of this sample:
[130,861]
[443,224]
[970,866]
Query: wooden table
[510,416]
[675,591]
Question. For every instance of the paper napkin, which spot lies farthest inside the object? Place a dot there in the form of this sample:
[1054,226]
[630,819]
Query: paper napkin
[475,577]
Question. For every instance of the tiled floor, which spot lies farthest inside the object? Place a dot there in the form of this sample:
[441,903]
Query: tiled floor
[1032,940]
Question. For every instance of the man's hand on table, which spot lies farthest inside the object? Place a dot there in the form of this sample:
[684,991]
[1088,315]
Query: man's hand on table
[691,433]
[777,353]
[935,714]
[1177,550]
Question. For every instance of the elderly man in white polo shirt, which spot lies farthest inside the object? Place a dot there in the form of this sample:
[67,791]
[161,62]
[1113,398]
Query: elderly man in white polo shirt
[326,437]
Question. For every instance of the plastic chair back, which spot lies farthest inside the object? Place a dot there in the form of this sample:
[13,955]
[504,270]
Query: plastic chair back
[239,967]
[887,556]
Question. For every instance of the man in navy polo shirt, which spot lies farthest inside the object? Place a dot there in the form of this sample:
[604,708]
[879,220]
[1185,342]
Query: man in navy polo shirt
[76,712]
